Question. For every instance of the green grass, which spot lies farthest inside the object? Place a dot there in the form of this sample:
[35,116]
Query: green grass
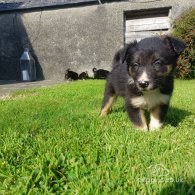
[53,141]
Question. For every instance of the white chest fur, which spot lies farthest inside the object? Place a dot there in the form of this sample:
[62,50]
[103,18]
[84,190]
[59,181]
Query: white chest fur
[150,99]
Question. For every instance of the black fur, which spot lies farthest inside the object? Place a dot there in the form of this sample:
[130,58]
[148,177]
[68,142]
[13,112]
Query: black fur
[83,75]
[70,75]
[100,73]
[142,74]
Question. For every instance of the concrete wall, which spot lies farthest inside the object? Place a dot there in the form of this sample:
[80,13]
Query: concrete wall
[79,38]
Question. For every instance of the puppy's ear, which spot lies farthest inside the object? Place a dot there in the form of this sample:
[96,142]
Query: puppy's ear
[174,44]
[126,51]
[123,53]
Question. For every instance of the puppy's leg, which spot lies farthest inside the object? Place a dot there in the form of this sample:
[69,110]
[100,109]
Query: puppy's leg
[157,117]
[137,117]
[109,97]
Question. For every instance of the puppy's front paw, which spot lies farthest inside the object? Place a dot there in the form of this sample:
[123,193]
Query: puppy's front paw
[144,128]
[103,113]
[155,124]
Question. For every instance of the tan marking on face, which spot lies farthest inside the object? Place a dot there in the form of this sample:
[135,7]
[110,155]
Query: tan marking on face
[130,72]
[168,70]
[107,107]
[155,122]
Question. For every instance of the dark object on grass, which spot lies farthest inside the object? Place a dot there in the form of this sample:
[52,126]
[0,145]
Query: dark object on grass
[84,75]
[70,75]
[100,73]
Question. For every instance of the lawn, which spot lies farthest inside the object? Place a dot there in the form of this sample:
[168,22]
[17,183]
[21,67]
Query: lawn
[52,141]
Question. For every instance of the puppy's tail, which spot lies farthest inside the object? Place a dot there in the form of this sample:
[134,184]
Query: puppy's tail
[94,70]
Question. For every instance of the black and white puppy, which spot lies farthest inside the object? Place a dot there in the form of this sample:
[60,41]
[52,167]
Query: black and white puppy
[143,75]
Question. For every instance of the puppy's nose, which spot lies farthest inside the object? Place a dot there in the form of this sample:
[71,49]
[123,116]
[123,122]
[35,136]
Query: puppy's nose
[143,84]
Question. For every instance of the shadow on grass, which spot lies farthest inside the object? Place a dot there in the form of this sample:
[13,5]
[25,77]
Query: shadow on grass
[184,187]
[176,115]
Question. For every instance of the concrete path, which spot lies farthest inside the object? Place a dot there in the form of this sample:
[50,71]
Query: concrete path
[7,87]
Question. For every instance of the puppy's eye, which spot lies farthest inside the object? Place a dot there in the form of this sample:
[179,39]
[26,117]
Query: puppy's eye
[157,64]
[135,66]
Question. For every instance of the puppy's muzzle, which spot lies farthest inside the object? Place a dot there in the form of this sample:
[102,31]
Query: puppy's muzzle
[143,84]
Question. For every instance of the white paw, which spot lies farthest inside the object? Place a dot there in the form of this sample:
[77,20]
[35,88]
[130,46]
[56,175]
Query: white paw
[155,124]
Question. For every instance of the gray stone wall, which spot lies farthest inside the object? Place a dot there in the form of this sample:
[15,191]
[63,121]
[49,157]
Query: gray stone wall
[79,38]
